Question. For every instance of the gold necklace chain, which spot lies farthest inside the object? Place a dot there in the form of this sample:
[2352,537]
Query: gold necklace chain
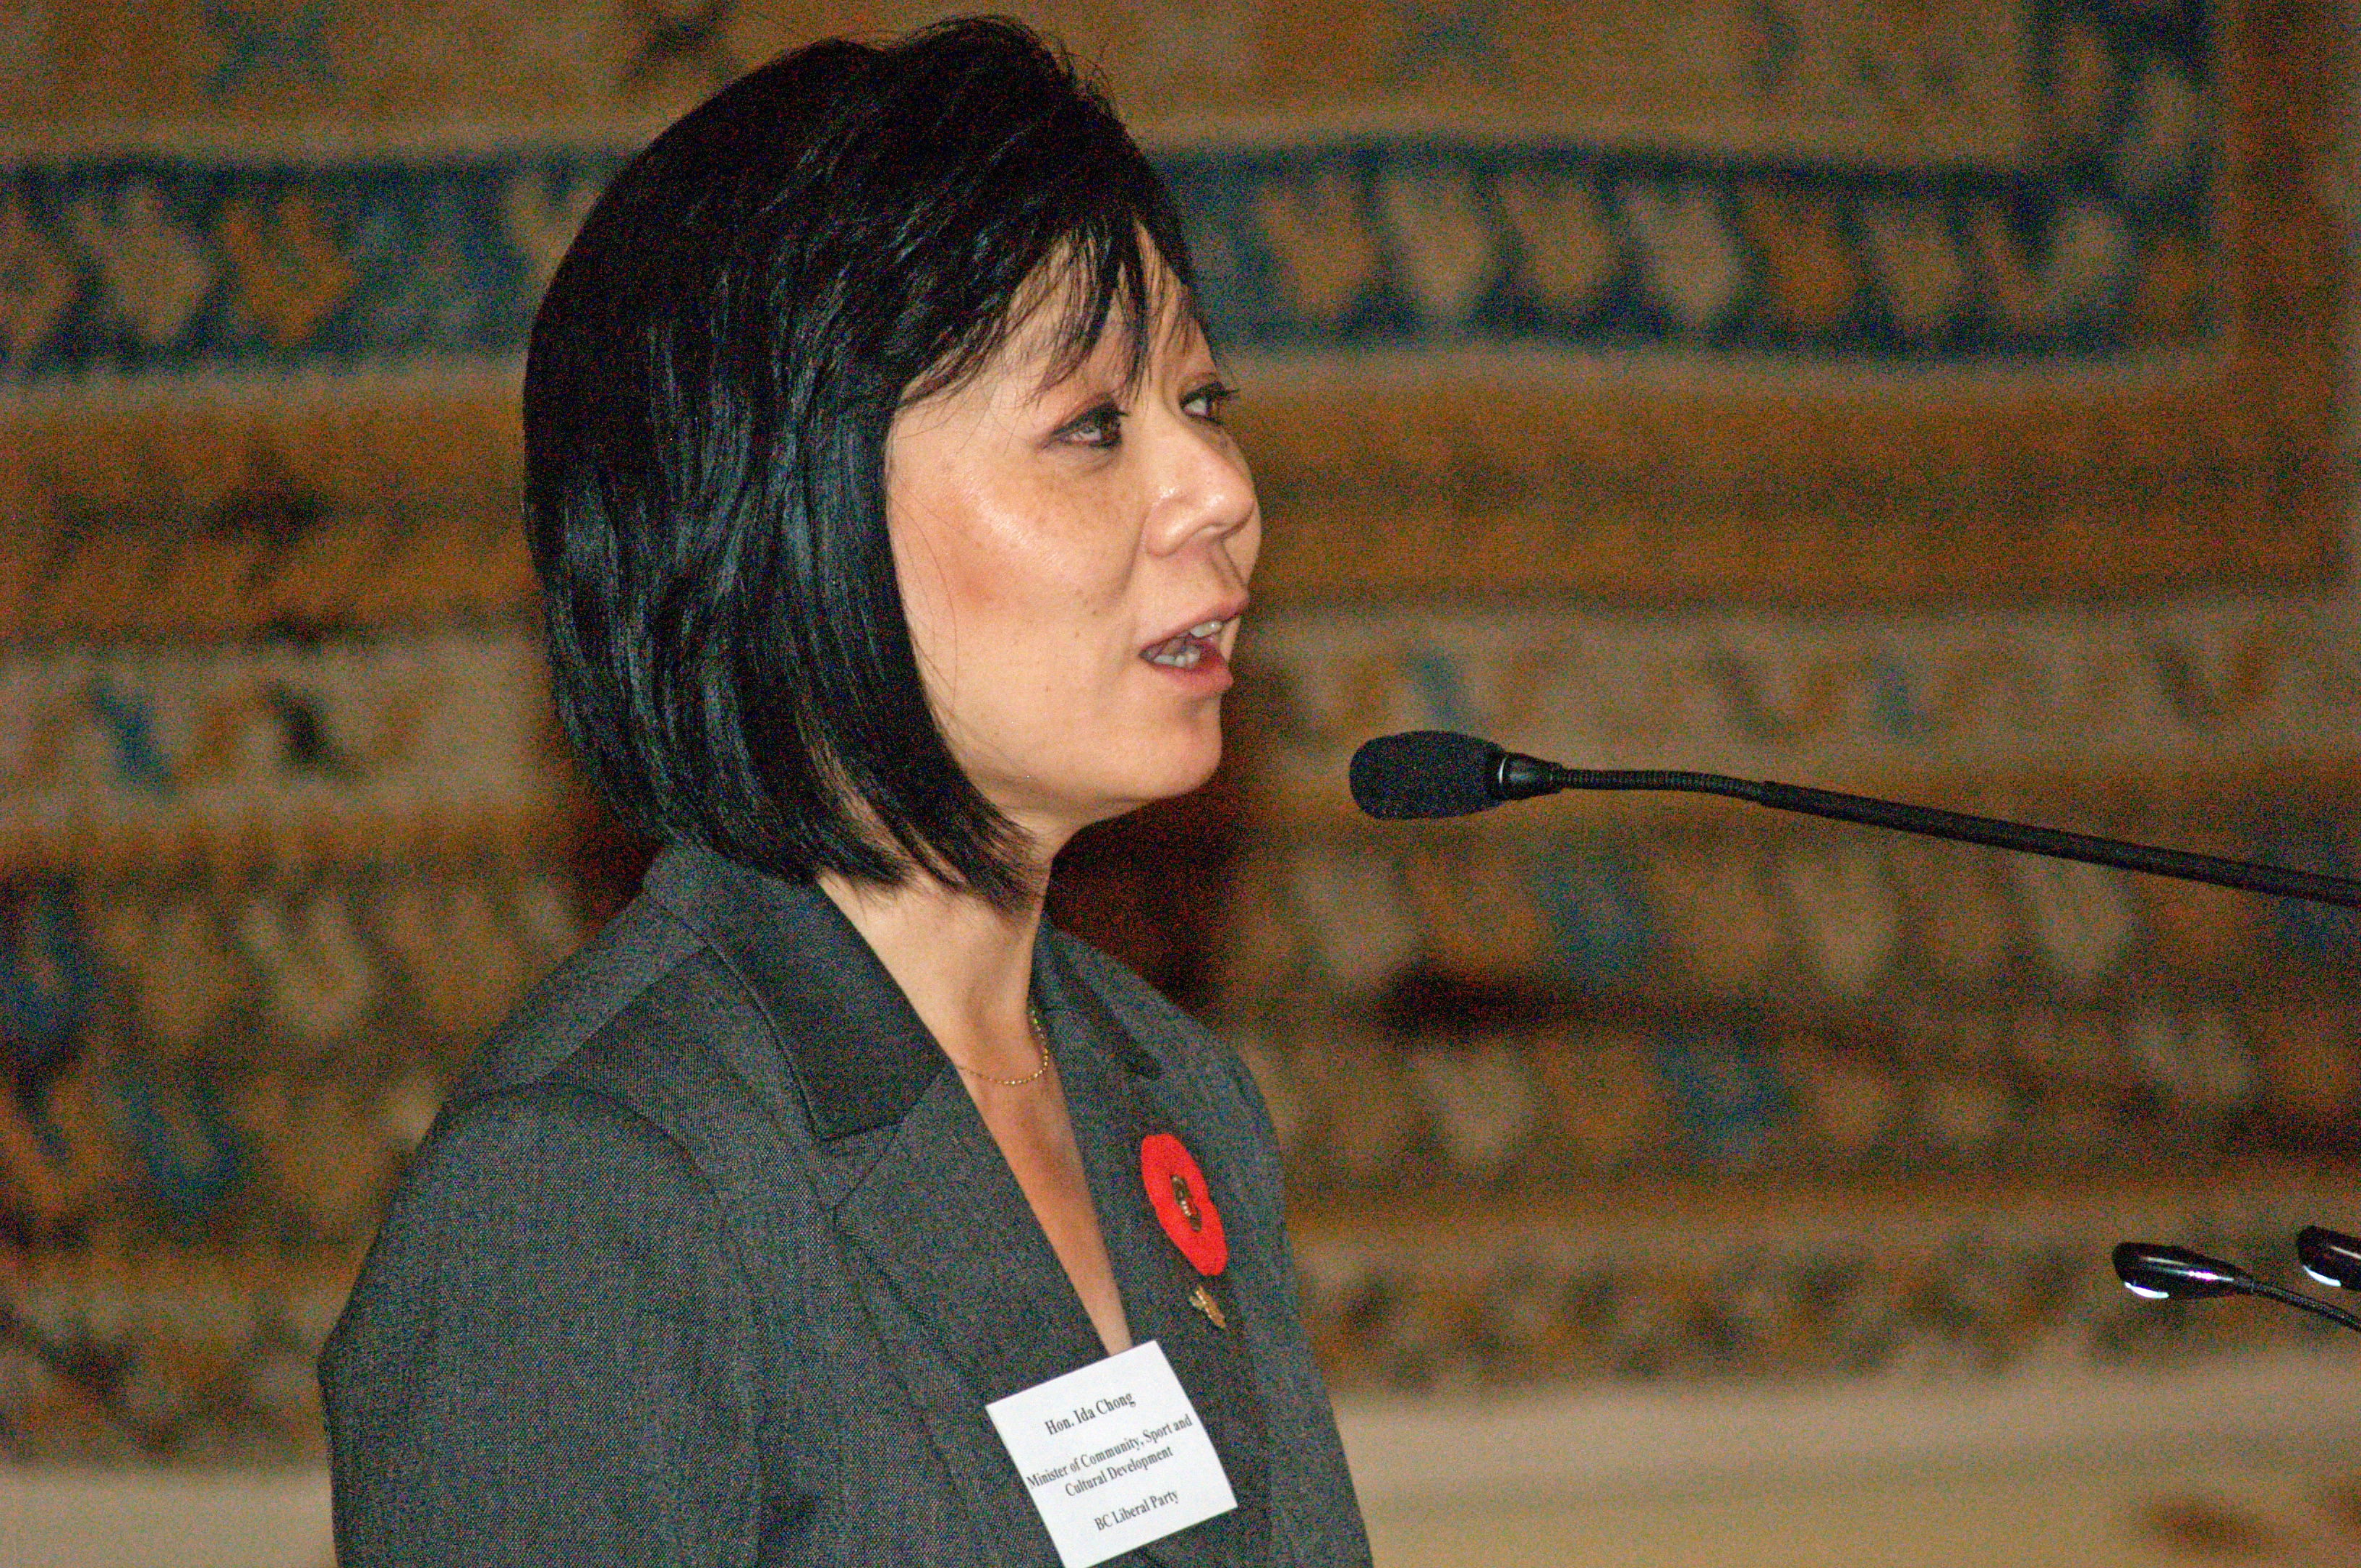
[1040,1043]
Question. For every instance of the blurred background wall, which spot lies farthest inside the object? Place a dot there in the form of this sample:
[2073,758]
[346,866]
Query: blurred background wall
[1942,401]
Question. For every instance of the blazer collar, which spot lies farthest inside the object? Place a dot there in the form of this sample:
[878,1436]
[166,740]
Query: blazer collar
[860,1058]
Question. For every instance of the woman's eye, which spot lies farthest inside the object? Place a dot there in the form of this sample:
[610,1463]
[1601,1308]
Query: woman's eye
[1208,401]
[1102,426]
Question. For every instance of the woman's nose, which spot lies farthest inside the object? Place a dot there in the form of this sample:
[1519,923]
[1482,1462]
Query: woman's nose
[1204,489]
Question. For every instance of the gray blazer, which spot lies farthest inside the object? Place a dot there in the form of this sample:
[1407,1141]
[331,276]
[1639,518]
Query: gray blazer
[709,1259]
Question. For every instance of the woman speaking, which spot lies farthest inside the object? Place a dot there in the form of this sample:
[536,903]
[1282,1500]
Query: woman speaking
[889,534]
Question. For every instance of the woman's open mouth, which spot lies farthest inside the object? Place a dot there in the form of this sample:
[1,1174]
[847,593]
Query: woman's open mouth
[1188,650]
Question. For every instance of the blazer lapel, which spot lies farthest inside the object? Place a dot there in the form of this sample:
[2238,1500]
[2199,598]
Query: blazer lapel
[941,1218]
[1110,1096]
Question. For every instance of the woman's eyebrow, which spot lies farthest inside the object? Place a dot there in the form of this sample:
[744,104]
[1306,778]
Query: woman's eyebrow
[1078,388]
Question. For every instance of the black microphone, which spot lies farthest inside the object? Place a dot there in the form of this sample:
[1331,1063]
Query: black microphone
[1434,772]
[2330,1256]
[2162,1273]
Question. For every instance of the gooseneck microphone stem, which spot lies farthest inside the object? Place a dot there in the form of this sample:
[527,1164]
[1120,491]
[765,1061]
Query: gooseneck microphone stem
[2309,1303]
[1438,773]
[1930,822]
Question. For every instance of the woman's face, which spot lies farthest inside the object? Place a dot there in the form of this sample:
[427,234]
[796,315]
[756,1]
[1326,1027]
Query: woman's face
[1073,558]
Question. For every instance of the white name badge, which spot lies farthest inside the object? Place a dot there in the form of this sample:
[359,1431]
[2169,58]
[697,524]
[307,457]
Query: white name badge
[1114,1455]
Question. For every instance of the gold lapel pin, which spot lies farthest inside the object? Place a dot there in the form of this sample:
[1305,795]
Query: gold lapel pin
[1203,1300]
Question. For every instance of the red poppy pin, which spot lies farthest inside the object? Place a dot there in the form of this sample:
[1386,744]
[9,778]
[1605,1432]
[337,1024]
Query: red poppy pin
[1176,1190]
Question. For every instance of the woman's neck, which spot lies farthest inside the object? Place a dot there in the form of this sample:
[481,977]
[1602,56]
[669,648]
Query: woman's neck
[965,964]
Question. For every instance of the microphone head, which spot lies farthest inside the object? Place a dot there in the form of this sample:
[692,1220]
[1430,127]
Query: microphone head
[2330,1256]
[2158,1272]
[1426,772]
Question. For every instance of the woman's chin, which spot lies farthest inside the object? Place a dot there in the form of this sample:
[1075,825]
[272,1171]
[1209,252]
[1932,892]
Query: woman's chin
[1193,763]
[1175,770]
[1149,791]
[1119,776]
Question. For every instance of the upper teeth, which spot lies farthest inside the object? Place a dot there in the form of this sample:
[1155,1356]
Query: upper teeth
[1207,630]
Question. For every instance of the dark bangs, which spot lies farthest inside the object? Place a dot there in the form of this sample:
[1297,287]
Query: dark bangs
[1068,232]
[1093,281]
[708,394]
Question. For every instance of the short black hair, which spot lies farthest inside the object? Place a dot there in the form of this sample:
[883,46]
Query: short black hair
[708,392]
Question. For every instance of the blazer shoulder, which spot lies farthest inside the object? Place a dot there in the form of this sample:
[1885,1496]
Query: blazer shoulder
[638,950]
[649,1019]
[556,1279]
